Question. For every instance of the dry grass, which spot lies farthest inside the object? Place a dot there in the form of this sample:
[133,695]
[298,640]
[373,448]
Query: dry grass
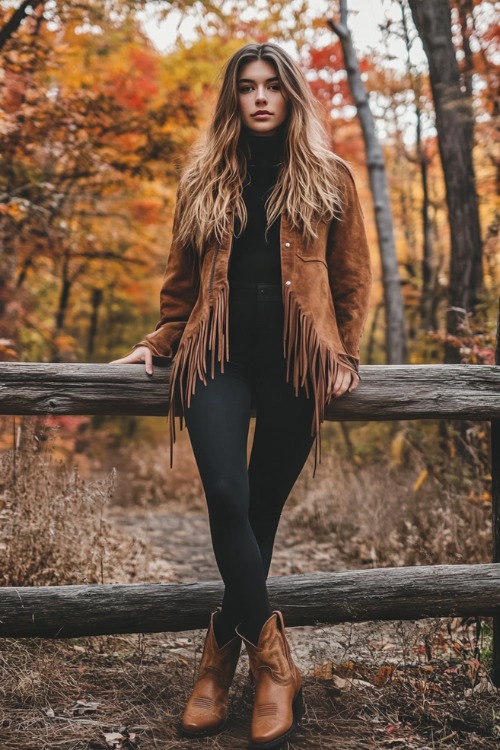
[76,694]
[54,526]
[418,507]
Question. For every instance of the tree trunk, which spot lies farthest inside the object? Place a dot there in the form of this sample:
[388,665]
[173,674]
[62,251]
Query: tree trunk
[96,301]
[62,307]
[394,311]
[427,306]
[9,311]
[454,122]
[14,22]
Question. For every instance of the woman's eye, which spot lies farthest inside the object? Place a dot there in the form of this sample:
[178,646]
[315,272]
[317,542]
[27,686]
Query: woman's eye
[244,89]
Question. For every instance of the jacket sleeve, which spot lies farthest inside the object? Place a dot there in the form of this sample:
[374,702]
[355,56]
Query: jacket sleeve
[178,294]
[349,268]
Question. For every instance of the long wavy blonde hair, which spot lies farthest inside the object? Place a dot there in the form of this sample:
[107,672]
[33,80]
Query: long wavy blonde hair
[308,186]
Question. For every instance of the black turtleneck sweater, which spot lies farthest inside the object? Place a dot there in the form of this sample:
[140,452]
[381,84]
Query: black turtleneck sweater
[252,258]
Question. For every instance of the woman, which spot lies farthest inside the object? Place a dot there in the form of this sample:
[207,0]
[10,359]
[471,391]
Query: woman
[267,283]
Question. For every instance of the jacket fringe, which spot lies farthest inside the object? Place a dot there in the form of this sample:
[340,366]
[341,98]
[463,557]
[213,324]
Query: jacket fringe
[190,362]
[310,362]
[314,364]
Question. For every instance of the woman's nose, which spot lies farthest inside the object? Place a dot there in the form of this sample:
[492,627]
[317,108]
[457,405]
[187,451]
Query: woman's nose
[261,95]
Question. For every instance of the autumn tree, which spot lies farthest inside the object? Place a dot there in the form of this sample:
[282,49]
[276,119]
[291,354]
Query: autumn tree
[454,122]
[394,312]
[88,124]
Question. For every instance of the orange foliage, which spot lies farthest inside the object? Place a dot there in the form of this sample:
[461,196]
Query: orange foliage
[145,211]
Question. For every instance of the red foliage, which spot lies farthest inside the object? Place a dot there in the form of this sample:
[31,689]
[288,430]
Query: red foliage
[133,88]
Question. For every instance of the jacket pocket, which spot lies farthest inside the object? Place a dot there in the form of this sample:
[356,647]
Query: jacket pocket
[311,258]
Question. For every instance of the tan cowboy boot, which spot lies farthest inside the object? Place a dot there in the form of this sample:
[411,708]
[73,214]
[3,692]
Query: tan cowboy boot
[206,709]
[278,703]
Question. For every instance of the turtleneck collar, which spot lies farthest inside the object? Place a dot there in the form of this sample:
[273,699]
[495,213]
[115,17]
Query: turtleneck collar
[265,149]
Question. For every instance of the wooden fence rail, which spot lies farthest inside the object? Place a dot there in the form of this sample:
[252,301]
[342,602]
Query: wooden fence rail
[385,393]
[405,593]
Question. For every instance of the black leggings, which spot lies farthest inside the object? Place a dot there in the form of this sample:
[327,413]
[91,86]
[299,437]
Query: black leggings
[245,502]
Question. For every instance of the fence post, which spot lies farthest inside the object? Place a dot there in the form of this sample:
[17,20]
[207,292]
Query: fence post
[495,497]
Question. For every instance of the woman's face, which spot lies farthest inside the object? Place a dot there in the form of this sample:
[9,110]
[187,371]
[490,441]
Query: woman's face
[259,89]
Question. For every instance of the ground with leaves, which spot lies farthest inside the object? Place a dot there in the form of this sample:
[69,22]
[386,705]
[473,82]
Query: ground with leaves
[406,685]
[415,685]
[386,685]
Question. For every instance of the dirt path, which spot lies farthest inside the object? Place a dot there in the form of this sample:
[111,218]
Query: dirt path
[183,542]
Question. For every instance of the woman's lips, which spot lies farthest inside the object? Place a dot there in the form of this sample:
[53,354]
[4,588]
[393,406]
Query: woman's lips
[261,116]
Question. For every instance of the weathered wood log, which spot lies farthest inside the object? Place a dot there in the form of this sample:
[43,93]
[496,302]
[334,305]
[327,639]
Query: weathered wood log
[386,392]
[404,593]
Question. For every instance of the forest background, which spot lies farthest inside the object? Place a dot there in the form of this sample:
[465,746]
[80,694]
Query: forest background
[100,103]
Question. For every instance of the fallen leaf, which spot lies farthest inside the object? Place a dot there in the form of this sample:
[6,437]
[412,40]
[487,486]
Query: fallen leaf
[484,686]
[339,682]
[392,727]
[361,683]
[85,707]
[114,740]
[323,671]
[384,674]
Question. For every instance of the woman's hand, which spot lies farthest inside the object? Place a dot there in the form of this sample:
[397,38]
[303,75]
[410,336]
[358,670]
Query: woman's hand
[346,380]
[141,354]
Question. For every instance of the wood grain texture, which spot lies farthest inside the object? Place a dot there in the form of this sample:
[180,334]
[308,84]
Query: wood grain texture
[404,593]
[386,392]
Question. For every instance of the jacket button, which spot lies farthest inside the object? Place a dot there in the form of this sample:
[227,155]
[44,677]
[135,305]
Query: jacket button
[287,244]
[288,283]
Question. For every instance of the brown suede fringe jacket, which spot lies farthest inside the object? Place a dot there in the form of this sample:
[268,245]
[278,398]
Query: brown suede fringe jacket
[326,291]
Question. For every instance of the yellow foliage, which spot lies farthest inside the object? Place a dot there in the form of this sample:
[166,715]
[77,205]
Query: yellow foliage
[421,479]
[397,448]
[482,499]
[65,343]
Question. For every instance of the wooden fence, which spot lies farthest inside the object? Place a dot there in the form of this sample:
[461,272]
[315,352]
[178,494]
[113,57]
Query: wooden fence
[386,393]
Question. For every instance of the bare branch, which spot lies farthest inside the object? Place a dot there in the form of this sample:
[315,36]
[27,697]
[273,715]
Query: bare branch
[16,19]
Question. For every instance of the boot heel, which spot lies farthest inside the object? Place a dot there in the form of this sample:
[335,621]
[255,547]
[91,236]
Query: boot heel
[278,688]
[206,710]
[298,706]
